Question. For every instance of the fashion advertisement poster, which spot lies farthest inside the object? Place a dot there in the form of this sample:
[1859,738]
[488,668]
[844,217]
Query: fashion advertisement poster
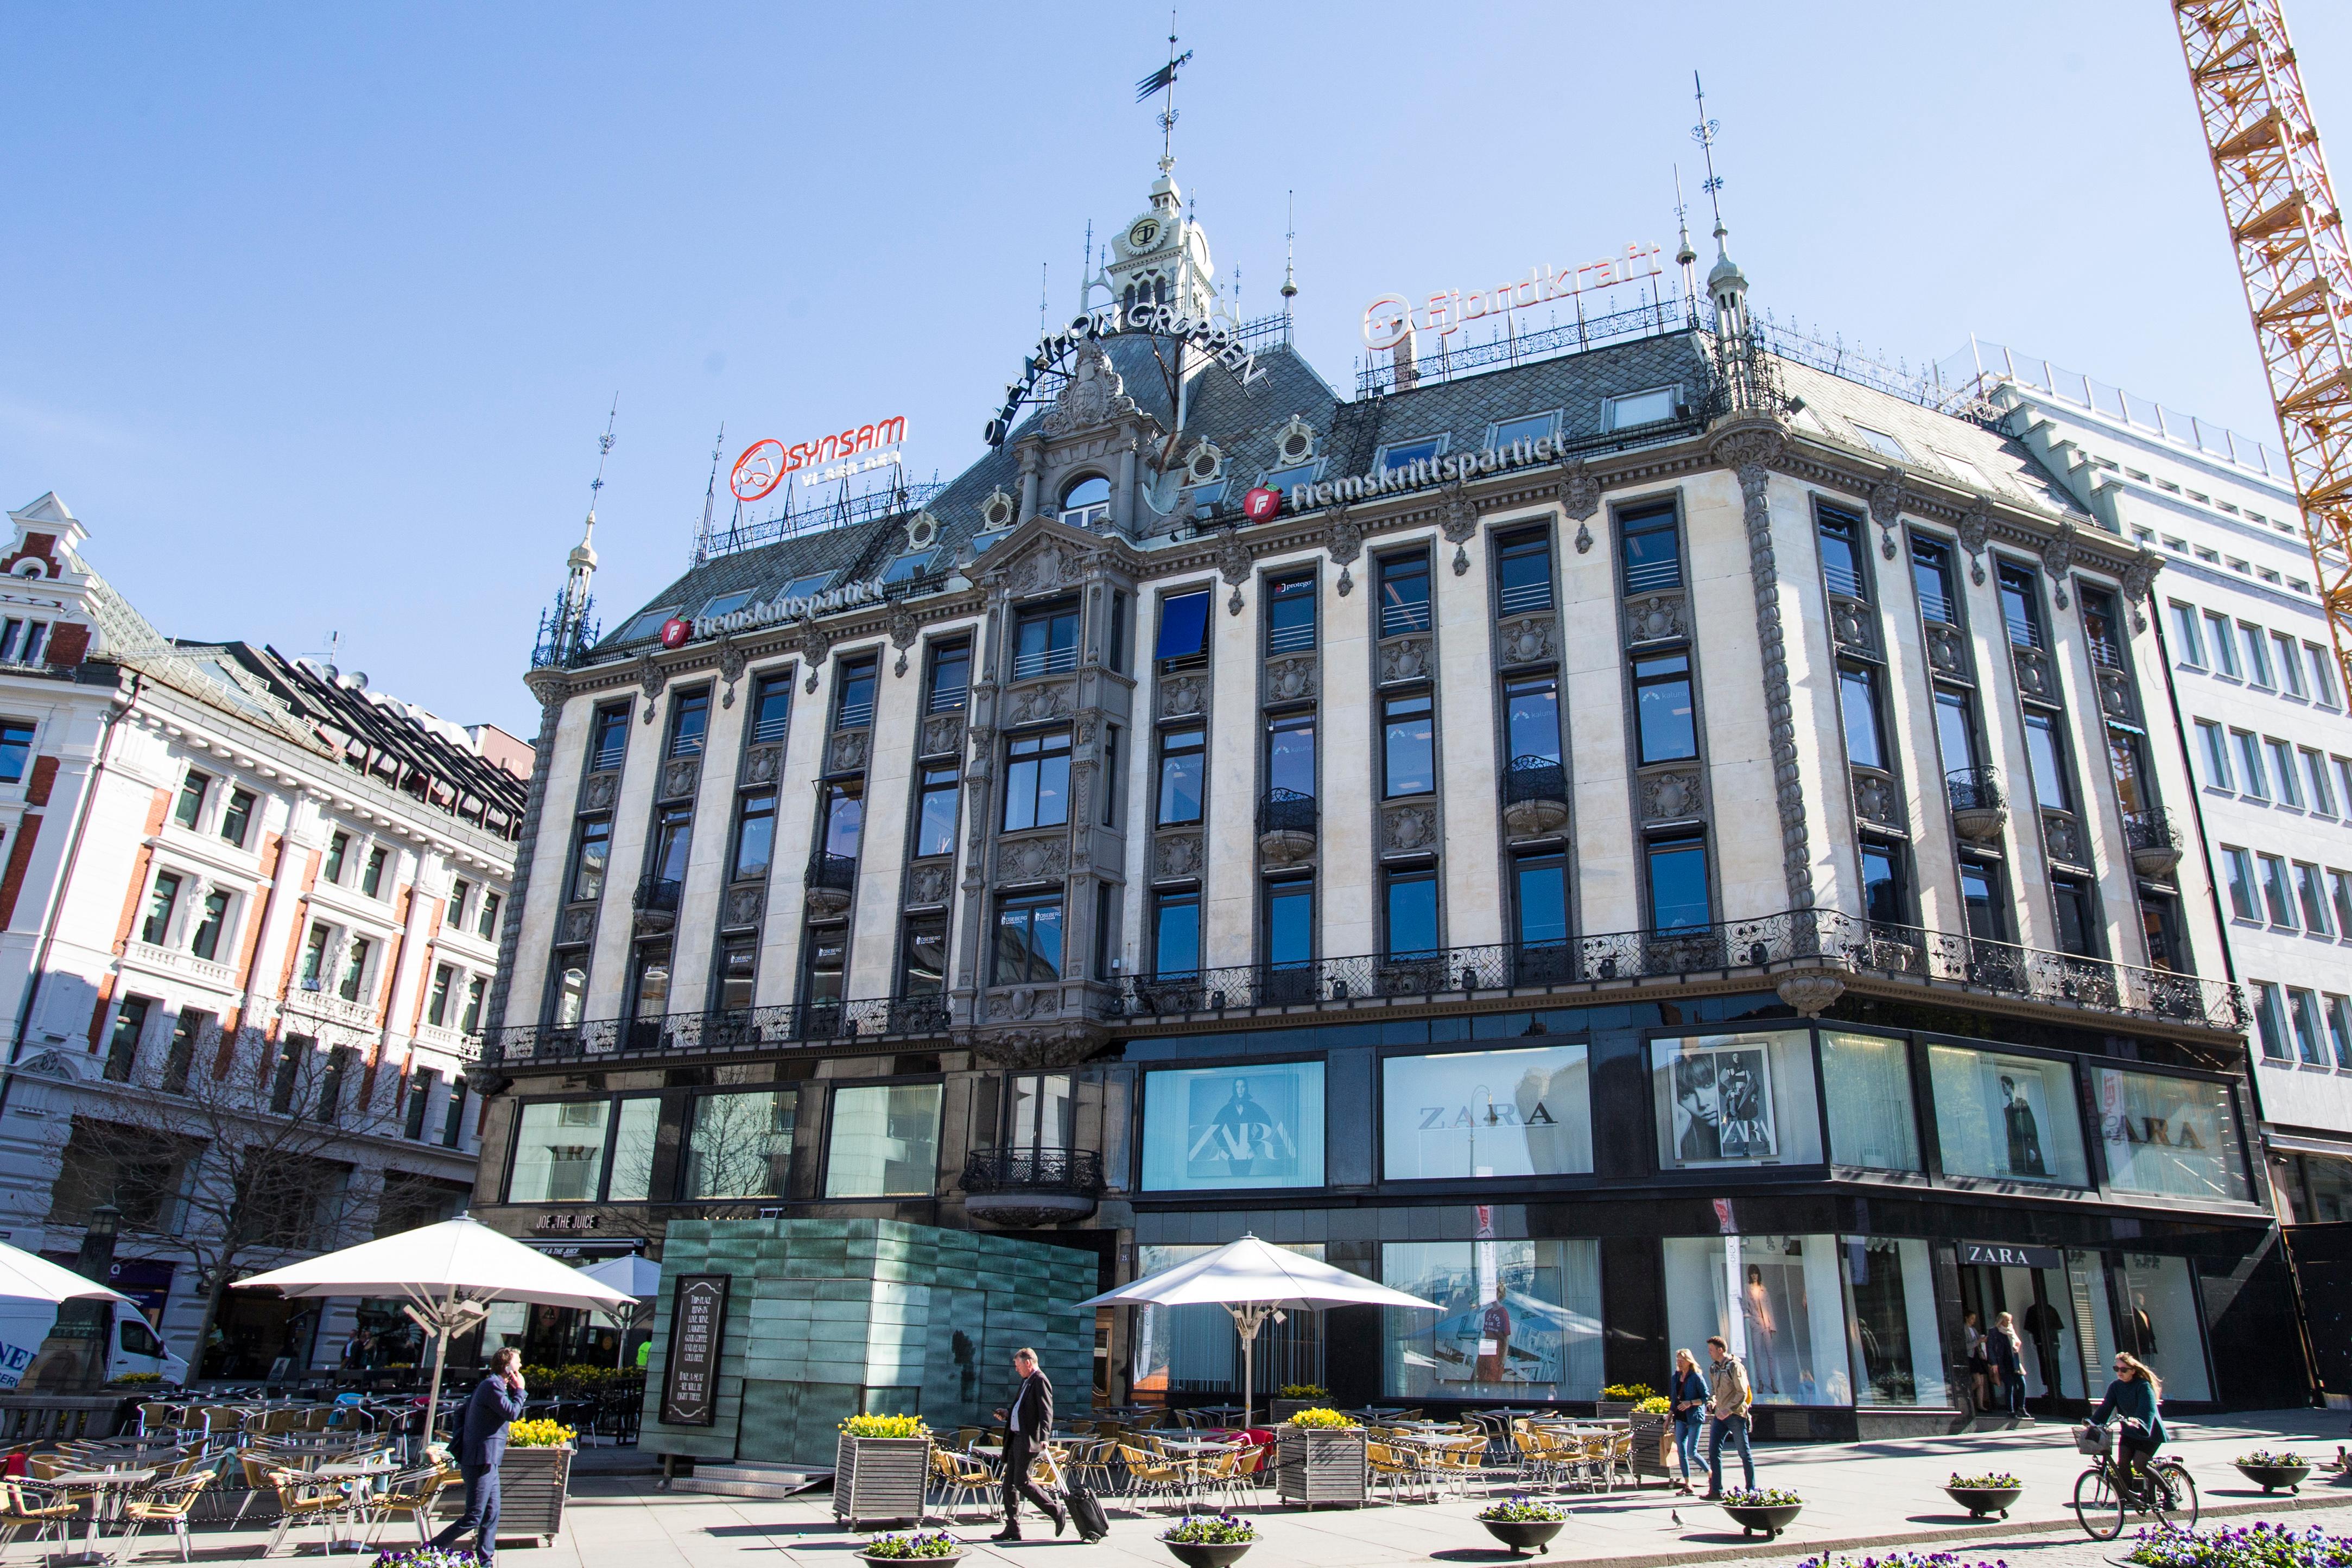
[2010,1117]
[1723,1105]
[1249,1127]
[1486,1114]
[2169,1135]
[1516,1320]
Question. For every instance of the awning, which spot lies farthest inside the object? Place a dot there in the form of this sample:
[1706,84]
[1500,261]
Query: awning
[2309,1144]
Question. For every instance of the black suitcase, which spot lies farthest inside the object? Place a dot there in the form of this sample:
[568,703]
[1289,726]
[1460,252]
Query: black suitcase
[1086,1513]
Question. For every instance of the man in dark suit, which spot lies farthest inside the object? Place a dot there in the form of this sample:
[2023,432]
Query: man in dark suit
[1027,1427]
[481,1443]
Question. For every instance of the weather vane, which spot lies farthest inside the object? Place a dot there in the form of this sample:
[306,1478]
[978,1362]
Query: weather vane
[1164,79]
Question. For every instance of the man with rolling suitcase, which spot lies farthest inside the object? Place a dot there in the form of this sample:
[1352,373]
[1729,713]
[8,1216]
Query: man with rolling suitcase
[1028,1426]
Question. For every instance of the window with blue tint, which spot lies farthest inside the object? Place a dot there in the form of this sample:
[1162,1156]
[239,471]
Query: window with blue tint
[1986,905]
[1290,614]
[772,708]
[1045,641]
[1531,718]
[1398,454]
[1840,557]
[1654,551]
[725,604]
[1956,730]
[1534,427]
[1408,746]
[1858,702]
[2078,920]
[854,698]
[1931,579]
[801,586]
[1412,913]
[1182,771]
[1885,894]
[935,823]
[673,836]
[689,722]
[1176,934]
[1677,876]
[1641,408]
[1542,903]
[1183,626]
[1207,497]
[646,624]
[1282,479]
[845,820]
[1028,940]
[755,836]
[1523,573]
[908,566]
[1405,594]
[1290,754]
[1037,780]
[2020,608]
[1665,721]
[588,861]
[1087,503]
[1290,922]
[608,743]
[950,677]
[2046,752]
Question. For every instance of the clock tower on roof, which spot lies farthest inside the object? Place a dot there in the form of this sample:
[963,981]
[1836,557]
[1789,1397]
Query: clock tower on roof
[1162,257]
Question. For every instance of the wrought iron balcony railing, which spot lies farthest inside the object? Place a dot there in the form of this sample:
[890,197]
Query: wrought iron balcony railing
[1286,812]
[1812,937]
[2150,830]
[719,1029]
[838,873]
[1075,1172]
[1975,790]
[1534,778]
[655,895]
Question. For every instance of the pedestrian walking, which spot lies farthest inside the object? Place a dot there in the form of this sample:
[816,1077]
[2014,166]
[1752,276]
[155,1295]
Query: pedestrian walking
[1730,1397]
[1686,1397]
[2133,1397]
[1979,1365]
[2006,1351]
[1028,1426]
[481,1444]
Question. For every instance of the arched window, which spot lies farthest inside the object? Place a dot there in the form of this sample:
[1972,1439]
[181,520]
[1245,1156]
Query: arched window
[1087,503]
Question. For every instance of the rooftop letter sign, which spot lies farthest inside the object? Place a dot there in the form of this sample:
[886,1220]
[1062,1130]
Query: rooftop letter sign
[1159,321]
[764,464]
[1388,319]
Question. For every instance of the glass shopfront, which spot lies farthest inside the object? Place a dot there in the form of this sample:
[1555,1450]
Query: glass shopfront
[740,1145]
[1516,1320]
[1215,1128]
[2159,1301]
[886,1141]
[558,1152]
[2173,1137]
[2010,1118]
[1779,1301]
[1872,1123]
[1486,1114]
[1194,1350]
[1893,1329]
[1736,1100]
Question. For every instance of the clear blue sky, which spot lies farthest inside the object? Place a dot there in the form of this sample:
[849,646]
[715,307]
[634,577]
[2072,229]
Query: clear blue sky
[312,313]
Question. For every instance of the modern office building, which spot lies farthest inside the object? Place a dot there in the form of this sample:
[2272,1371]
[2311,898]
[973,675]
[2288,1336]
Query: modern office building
[1623,831]
[247,924]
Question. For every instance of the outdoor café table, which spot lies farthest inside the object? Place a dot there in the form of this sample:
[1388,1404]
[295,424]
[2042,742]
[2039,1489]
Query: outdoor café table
[108,1488]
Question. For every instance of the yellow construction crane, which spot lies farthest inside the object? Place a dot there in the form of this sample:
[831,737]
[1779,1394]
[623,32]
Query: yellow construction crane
[2289,236]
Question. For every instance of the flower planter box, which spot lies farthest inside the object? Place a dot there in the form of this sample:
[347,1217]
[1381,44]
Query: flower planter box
[1525,1535]
[1772,1519]
[880,1480]
[1198,1554]
[1314,1465]
[1652,1446]
[531,1487]
[1281,1410]
[2270,1478]
[1613,1409]
[1983,1500]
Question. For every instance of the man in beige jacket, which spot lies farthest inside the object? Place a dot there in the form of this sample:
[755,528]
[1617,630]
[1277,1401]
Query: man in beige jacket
[1730,1399]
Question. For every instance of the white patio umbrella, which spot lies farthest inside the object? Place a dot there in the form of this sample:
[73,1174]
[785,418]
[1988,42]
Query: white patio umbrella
[1255,1281]
[637,1275]
[29,1278]
[450,1273]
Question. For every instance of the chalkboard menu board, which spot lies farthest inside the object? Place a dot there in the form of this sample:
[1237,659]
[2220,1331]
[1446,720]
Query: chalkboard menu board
[697,1331]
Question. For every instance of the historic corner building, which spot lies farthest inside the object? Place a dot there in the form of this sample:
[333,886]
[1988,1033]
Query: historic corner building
[1650,839]
[248,920]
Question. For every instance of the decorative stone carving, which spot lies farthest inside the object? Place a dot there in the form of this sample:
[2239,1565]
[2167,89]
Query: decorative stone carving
[762,764]
[1748,445]
[1033,860]
[1345,538]
[2062,836]
[996,511]
[1176,855]
[1458,511]
[1180,697]
[1670,797]
[1583,538]
[1579,497]
[903,627]
[1285,846]
[1405,659]
[1094,396]
[1461,561]
[651,679]
[942,735]
[1810,992]
[930,883]
[2058,559]
[2115,696]
[1534,819]
[1233,560]
[2034,677]
[1346,584]
[1853,624]
[1525,639]
[846,752]
[2138,579]
[579,924]
[599,791]
[1015,1004]
[826,903]
[1063,1044]
[731,668]
[1085,733]
[1975,533]
[744,904]
[1233,605]
[1404,829]
[1291,677]
[1875,800]
[1037,704]
[1981,825]
[678,777]
[1885,506]
[975,772]
[1947,650]
[1654,617]
[1295,442]
[1039,572]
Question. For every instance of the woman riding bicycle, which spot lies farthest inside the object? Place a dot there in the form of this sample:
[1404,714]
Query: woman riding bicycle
[2134,1396]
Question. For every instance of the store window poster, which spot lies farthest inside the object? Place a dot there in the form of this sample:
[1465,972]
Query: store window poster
[2024,1111]
[1231,1127]
[1723,1105]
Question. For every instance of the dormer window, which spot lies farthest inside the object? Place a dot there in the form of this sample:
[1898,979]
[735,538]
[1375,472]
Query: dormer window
[21,640]
[1398,454]
[1632,409]
[1087,503]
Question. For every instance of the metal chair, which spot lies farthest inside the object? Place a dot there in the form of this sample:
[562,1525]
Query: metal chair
[409,1493]
[302,1500]
[167,1503]
[959,1478]
[21,1508]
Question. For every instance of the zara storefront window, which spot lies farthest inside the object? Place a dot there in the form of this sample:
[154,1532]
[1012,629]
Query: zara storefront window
[1474,1113]
[1259,1125]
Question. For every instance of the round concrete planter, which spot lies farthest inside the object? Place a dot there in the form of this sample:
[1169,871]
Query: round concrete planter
[2271,1478]
[1981,1501]
[1525,1535]
[1771,1519]
[897,1562]
[1197,1554]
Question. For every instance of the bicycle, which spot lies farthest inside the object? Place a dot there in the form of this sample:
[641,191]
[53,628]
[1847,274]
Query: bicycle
[2101,1500]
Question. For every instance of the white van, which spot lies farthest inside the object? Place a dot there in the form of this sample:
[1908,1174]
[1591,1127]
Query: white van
[131,1345]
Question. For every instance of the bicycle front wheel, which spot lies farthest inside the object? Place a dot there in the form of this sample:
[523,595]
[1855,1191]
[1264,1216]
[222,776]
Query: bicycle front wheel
[2098,1505]
[2176,1499]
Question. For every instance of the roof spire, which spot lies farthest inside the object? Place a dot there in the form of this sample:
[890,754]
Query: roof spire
[1289,253]
[1725,281]
[565,631]
[1164,80]
[1684,257]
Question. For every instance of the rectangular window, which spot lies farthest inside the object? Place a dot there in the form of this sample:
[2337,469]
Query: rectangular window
[371,876]
[1208,1129]
[1840,555]
[755,835]
[2269,1020]
[1858,703]
[2077,911]
[487,926]
[1183,773]
[2192,649]
[608,739]
[1114,792]
[2340,1028]
[2258,662]
[1539,901]
[122,1045]
[673,840]
[1531,428]
[2311,895]
[298,1052]
[772,708]
[1892,1322]
[2173,1137]
[1982,894]
[237,816]
[16,750]
[2222,640]
[1477,1114]
[1885,890]
[190,806]
[1531,721]
[1517,1320]
[470,1021]
[826,967]
[1408,746]
[337,847]
[559,1152]
[1176,934]
[689,722]
[2244,903]
[1290,923]
[2275,895]
[1779,1297]
[1654,551]
[1735,1100]
[2339,895]
[1290,614]
[2217,755]
[1184,627]
[1411,899]
[886,1141]
[1872,1123]
[738,971]
[2021,606]
[436,1005]
[950,677]
[452,915]
[935,814]
[589,859]
[2303,1008]
[1115,652]
[1931,579]
[2322,664]
[2102,632]
[1956,730]
[1404,593]
[1665,723]
[2007,1118]
[1028,940]
[2282,770]
[1677,869]
[1630,409]
[452,1117]
[1044,641]
[1290,757]
[636,1129]
[2322,791]
[740,1145]
[355,963]
[159,903]
[923,955]
[853,699]
[2046,751]
[845,820]
[314,957]
[2249,762]
[420,1094]
[1402,454]
[187,1030]
[1037,780]
[1523,573]
[2289,662]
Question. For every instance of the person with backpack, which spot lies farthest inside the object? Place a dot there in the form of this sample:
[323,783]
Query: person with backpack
[1729,1400]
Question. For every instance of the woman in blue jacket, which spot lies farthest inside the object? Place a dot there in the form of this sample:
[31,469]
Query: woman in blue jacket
[2134,1396]
[1686,1396]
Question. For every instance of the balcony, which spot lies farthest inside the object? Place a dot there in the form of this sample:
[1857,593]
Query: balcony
[1800,940]
[1285,827]
[1030,1188]
[1535,797]
[831,880]
[717,1031]
[2155,842]
[1979,804]
[653,905]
